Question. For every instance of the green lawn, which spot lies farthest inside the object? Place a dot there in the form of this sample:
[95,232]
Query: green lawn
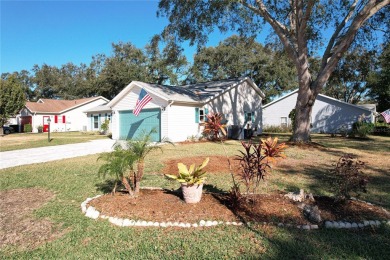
[73,180]
[17,141]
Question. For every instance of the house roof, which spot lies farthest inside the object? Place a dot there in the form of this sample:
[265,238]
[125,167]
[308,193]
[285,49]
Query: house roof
[100,108]
[58,106]
[192,93]
[321,95]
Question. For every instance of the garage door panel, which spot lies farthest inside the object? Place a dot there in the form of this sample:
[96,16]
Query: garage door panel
[132,126]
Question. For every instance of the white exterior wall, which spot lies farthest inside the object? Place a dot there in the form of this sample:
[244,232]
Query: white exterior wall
[328,115]
[233,103]
[181,123]
[128,103]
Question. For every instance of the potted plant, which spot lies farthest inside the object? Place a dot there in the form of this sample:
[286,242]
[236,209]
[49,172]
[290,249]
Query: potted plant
[191,180]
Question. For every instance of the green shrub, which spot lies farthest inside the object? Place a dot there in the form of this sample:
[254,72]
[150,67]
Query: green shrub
[105,126]
[276,129]
[27,128]
[362,129]
[292,116]
[381,129]
[40,129]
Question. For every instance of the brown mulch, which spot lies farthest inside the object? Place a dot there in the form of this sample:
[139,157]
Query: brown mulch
[215,165]
[18,227]
[162,206]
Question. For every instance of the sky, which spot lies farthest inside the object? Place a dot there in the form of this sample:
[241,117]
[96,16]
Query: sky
[58,32]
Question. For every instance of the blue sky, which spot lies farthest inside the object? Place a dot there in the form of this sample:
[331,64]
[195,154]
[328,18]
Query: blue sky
[57,32]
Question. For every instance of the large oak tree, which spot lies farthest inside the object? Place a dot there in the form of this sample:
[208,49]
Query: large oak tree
[298,24]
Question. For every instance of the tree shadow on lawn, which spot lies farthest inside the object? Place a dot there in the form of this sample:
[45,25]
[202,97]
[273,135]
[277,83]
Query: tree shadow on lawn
[291,243]
[367,145]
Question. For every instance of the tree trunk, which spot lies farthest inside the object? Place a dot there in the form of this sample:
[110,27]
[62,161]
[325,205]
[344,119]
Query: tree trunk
[127,186]
[140,173]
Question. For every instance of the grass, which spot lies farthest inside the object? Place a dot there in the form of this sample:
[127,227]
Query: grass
[73,180]
[17,141]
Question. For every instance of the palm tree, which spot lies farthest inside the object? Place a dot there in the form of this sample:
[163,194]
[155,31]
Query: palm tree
[125,156]
[118,163]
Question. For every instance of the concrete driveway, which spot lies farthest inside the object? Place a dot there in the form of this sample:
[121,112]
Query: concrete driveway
[52,153]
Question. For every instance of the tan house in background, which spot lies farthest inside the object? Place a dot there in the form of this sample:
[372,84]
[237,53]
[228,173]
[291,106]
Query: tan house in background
[65,115]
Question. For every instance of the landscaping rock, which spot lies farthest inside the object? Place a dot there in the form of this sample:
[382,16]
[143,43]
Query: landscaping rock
[348,225]
[312,213]
[92,213]
[314,227]
[329,224]
[354,225]
[296,196]
[306,227]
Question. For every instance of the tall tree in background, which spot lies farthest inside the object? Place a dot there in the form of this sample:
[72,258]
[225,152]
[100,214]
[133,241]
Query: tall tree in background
[349,80]
[25,79]
[12,98]
[298,24]
[46,80]
[166,65]
[379,82]
[127,63]
[238,56]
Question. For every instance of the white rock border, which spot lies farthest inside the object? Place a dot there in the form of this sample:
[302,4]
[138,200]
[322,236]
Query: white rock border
[92,213]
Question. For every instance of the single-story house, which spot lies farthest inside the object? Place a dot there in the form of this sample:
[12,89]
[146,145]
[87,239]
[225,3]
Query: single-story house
[176,112]
[97,116]
[329,115]
[65,115]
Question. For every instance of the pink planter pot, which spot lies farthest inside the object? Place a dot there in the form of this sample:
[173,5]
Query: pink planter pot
[192,194]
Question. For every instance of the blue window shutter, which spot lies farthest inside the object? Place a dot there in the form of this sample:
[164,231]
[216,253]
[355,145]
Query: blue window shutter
[206,112]
[253,117]
[245,117]
[196,114]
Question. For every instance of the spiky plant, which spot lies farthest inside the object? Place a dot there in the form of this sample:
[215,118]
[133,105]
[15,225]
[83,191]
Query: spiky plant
[213,126]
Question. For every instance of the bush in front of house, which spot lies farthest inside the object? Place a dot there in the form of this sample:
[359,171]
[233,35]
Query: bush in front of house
[276,129]
[362,129]
[27,128]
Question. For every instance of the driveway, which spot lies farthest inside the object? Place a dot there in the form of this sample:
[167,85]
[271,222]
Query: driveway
[52,153]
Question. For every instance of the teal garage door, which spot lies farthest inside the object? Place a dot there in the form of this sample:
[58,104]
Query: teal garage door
[131,126]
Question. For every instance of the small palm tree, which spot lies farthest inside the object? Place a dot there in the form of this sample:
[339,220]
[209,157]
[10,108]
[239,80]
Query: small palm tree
[126,156]
[118,163]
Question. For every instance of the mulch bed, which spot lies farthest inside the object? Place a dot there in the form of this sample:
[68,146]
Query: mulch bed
[163,206]
[215,165]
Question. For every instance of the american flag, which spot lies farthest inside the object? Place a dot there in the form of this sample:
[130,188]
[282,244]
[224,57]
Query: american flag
[386,115]
[143,99]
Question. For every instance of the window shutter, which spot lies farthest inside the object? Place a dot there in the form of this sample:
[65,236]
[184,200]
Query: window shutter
[91,122]
[245,117]
[63,119]
[253,117]
[206,112]
[56,119]
[196,114]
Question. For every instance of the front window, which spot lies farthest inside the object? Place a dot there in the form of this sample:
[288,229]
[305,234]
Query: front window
[249,117]
[283,121]
[201,115]
[95,122]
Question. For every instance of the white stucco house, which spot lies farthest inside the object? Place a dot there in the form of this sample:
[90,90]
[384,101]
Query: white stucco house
[177,111]
[329,115]
[65,115]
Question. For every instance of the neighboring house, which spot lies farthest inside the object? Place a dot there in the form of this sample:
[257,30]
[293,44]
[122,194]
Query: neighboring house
[65,115]
[97,116]
[329,115]
[177,112]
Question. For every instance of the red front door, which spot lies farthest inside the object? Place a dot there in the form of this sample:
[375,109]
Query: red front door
[45,124]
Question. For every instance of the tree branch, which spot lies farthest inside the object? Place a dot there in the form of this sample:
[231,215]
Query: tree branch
[344,42]
[336,33]
[279,28]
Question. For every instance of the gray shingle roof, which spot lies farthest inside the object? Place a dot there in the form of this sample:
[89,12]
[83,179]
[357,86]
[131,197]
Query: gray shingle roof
[199,92]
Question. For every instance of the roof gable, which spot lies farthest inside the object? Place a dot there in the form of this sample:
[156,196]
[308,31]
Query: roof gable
[58,106]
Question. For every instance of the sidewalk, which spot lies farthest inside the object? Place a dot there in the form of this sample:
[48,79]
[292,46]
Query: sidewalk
[52,153]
